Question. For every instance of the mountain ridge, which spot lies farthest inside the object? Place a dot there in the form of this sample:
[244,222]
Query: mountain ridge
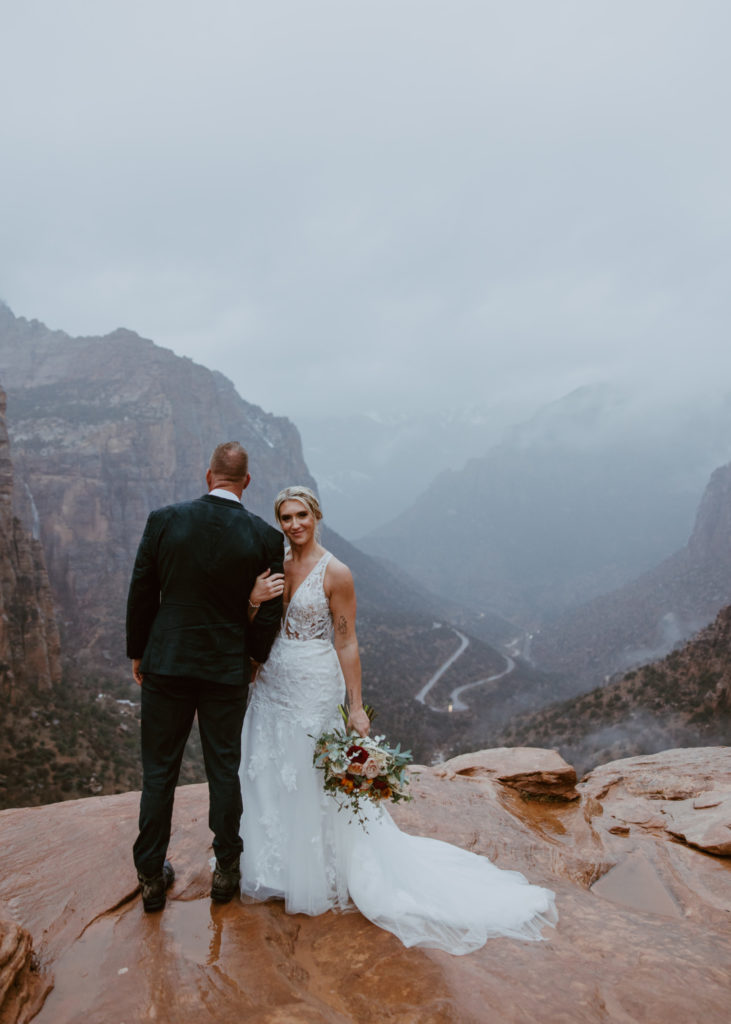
[104,430]
[684,699]
[573,503]
[644,619]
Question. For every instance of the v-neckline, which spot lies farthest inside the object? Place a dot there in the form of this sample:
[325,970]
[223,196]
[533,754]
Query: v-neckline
[301,584]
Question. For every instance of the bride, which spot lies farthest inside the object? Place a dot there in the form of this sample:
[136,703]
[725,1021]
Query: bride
[298,845]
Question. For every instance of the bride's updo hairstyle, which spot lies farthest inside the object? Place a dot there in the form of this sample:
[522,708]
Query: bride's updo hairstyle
[304,495]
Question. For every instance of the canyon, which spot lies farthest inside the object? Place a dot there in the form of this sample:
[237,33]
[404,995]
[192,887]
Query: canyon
[101,430]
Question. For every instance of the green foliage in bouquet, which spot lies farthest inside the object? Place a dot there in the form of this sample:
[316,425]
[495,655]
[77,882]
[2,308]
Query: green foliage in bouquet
[358,768]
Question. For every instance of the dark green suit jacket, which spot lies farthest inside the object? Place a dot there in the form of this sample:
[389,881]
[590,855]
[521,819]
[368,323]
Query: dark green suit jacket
[188,597]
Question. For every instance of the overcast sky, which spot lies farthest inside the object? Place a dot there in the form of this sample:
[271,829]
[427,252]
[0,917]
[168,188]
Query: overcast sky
[387,205]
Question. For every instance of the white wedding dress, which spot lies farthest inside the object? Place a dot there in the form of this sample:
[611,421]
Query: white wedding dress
[299,847]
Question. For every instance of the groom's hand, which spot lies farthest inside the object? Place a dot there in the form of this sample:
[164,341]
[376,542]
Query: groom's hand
[136,670]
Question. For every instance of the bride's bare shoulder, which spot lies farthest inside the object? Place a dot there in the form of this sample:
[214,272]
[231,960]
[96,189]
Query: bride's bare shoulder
[337,575]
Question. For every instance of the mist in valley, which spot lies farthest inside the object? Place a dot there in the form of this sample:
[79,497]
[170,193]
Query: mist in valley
[475,257]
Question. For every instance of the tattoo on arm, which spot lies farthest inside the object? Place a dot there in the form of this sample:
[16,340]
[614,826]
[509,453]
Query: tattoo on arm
[342,626]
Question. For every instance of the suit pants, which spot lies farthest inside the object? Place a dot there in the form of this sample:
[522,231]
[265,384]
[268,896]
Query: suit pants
[169,705]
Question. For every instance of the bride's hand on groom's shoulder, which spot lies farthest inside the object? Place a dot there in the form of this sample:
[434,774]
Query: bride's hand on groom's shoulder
[268,586]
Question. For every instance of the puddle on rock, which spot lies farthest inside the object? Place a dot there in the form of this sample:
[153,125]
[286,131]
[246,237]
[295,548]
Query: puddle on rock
[635,883]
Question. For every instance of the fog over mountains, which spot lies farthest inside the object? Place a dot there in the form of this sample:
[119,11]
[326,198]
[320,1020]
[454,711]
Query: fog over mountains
[684,699]
[593,490]
[522,577]
[647,617]
[370,468]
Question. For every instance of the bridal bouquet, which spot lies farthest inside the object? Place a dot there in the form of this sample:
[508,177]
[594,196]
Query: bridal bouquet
[360,768]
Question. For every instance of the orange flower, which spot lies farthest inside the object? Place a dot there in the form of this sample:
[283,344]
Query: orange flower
[347,784]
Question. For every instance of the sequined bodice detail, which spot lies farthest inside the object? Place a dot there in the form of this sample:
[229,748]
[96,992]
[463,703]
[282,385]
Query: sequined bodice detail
[308,615]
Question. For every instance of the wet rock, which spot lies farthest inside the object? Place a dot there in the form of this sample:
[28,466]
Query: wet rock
[707,827]
[530,771]
[687,793]
[618,828]
[638,812]
[643,933]
[21,986]
[636,883]
[707,800]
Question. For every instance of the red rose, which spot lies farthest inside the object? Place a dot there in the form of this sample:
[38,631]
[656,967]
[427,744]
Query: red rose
[357,754]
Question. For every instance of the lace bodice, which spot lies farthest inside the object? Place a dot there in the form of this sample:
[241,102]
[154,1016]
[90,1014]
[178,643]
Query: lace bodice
[308,614]
[297,691]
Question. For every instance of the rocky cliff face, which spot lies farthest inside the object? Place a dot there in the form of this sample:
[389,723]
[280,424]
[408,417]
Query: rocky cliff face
[29,641]
[104,430]
[642,621]
[638,859]
[710,542]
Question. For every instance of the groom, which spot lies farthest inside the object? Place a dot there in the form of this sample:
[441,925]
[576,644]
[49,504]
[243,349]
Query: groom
[191,642]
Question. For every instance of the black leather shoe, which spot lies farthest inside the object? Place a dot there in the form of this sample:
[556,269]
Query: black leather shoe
[226,882]
[154,887]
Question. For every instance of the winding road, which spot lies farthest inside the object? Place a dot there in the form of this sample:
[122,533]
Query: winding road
[455,698]
[464,644]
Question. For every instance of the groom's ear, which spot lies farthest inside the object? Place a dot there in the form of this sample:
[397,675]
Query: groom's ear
[209,477]
[247,481]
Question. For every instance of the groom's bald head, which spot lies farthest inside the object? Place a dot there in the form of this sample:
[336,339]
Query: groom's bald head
[229,467]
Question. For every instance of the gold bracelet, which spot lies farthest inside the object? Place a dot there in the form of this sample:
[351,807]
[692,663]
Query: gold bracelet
[252,605]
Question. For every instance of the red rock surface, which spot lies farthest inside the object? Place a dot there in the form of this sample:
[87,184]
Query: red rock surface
[643,934]
[530,771]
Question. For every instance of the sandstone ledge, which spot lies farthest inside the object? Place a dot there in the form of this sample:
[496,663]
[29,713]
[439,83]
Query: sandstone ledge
[530,771]
[643,934]
[686,793]
[21,988]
